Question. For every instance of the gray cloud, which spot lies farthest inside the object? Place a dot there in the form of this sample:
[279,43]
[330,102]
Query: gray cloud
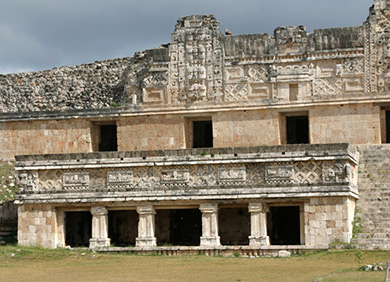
[42,34]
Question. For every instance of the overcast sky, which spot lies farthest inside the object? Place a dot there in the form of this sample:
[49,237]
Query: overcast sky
[42,34]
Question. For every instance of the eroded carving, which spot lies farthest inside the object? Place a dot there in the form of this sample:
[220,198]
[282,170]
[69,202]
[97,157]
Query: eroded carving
[119,177]
[231,174]
[75,179]
[279,173]
[175,176]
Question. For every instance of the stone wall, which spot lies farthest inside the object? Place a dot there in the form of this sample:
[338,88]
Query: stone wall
[238,46]
[246,128]
[37,226]
[44,137]
[162,132]
[328,220]
[94,85]
[356,124]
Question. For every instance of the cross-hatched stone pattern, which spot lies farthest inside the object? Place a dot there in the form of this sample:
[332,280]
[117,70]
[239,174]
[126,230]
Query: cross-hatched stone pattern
[237,92]
[328,86]
[308,172]
[50,180]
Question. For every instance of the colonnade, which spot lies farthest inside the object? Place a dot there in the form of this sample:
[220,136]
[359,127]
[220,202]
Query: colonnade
[210,236]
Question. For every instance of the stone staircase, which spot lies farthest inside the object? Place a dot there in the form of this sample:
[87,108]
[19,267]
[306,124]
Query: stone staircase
[373,207]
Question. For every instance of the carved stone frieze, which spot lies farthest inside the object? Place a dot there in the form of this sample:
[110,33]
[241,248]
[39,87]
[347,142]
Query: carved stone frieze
[377,46]
[119,177]
[290,39]
[190,177]
[183,173]
[237,92]
[353,66]
[175,176]
[279,173]
[308,172]
[28,181]
[232,174]
[196,60]
[353,85]
[50,180]
[259,73]
[75,179]
[328,86]
[260,90]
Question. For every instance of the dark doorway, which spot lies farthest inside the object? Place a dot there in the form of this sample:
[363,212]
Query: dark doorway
[234,226]
[283,224]
[179,227]
[78,228]
[107,137]
[387,126]
[123,227]
[202,134]
[297,129]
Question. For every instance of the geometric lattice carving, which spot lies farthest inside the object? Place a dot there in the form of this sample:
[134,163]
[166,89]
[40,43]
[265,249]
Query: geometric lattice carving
[353,66]
[308,172]
[237,92]
[328,86]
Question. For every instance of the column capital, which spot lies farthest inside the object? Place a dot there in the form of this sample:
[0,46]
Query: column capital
[144,210]
[208,208]
[96,211]
[257,207]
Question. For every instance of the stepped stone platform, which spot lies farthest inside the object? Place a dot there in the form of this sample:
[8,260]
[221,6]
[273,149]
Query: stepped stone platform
[373,207]
[245,251]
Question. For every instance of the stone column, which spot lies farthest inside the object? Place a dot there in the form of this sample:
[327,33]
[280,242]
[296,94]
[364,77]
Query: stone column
[99,228]
[258,235]
[209,225]
[146,227]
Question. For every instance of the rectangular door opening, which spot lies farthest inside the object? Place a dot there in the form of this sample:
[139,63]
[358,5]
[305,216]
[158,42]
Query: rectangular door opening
[107,137]
[78,228]
[283,225]
[297,129]
[234,226]
[202,134]
[181,227]
[123,227]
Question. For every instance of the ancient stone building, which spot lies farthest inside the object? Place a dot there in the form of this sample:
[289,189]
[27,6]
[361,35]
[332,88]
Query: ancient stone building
[248,143]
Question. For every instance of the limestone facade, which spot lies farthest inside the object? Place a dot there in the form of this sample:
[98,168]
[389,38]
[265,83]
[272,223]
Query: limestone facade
[206,125]
[318,179]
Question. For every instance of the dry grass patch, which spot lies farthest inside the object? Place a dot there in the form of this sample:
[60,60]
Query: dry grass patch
[34,264]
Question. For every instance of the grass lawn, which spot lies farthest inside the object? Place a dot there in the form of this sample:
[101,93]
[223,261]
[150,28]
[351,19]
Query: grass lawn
[35,264]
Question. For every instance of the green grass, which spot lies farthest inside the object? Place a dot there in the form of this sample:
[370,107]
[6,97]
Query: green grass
[36,264]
